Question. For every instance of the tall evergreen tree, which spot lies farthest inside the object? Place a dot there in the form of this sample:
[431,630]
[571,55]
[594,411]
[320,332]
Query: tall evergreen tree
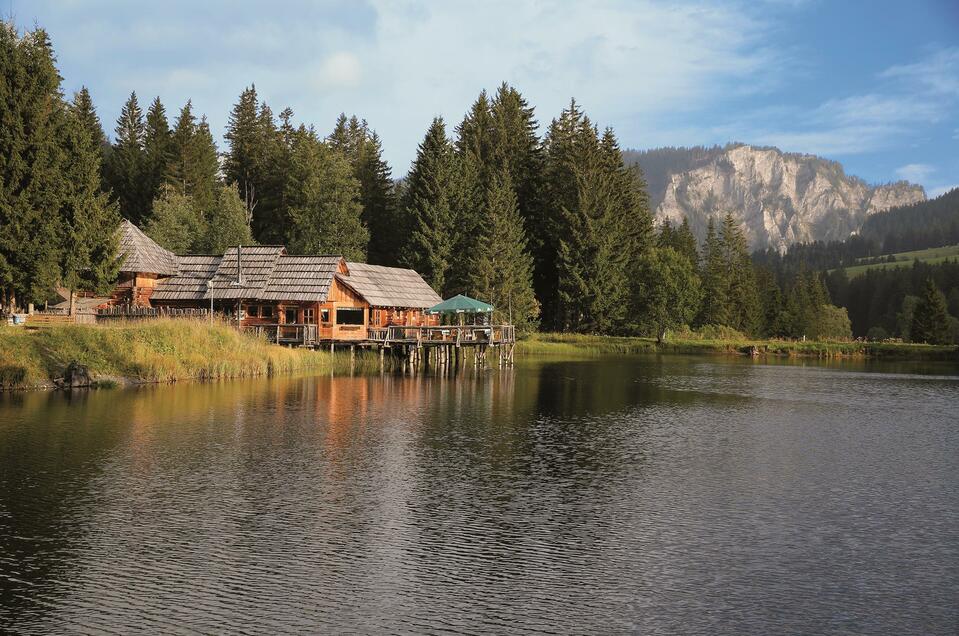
[323,198]
[593,264]
[930,321]
[362,147]
[742,296]
[194,166]
[127,168]
[715,307]
[30,185]
[501,270]
[258,162]
[158,147]
[428,209]
[88,221]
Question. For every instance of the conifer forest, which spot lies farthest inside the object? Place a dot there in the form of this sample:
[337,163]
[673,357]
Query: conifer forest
[536,213]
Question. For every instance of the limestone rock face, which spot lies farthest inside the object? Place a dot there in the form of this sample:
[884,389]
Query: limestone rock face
[779,198]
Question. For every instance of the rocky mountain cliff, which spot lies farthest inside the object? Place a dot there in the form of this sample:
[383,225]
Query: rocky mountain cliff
[781,198]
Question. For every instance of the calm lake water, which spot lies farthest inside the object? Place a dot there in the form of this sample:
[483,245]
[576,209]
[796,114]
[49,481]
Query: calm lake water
[647,494]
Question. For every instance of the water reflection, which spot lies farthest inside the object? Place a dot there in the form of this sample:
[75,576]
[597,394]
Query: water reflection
[652,494]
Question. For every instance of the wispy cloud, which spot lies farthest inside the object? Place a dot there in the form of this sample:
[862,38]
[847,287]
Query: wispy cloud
[915,172]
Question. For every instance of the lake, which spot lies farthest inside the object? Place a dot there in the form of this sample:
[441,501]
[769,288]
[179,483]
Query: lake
[648,494]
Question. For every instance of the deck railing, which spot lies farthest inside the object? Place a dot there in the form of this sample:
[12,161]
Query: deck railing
[445,334]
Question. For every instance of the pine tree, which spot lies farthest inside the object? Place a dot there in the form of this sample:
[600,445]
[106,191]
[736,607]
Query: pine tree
[559,193]
[88,222]
[428,210]
[362,147]
[179,171]
[930,321]
[715,307]
[30,183]
[158,147]
[127,167]
[323,198]
[684,242]
[501,270]
[258,162]
[194,164]
[474,138]
[742,296]
[226,222]
[593,265]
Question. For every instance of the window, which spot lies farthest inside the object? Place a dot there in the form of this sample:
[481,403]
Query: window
[349,316]
[289,316]
[309,316]
[325,316]
[253,311]
[266,311]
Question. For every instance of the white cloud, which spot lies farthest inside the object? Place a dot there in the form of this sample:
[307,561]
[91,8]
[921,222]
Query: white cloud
[938,73]
[915,172]
[340,70]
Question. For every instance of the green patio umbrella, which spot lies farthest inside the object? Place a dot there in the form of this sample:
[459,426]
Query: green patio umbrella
[461,304]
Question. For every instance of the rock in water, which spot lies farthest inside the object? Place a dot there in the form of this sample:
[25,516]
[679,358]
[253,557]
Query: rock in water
[76,375]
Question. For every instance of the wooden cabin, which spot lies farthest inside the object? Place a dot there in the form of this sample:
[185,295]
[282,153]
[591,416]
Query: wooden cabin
[144,265]
[295,299]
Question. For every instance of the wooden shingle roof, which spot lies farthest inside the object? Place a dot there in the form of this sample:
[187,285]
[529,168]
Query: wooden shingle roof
[257,263]
[140,253]
[389,286]
[191,282]
[301,278]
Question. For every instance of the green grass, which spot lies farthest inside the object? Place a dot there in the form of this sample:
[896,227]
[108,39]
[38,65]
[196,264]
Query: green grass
[577,345]
[932,256]
[156,351]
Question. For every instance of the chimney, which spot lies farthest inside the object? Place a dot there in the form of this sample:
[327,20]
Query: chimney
[239,265]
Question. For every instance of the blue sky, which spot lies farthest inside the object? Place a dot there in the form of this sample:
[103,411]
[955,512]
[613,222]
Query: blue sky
[871,83]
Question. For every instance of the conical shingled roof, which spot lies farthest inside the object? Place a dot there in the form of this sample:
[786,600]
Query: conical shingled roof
[140,253]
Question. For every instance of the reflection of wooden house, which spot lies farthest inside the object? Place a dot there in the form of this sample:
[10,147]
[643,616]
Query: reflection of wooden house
[303,299]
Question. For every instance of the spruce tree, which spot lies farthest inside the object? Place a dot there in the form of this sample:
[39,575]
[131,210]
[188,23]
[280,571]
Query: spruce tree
[88,222]
[179,171]
[127,167]
[715,307]
[427,207]
[323,198]
[684,242]
[363,149]
[501,269]
[930,321]
[593,261]
[158,147]
[31,185]
[258,162]
[744,311]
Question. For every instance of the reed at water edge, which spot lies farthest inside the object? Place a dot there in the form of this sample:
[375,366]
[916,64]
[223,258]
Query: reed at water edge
[162,350]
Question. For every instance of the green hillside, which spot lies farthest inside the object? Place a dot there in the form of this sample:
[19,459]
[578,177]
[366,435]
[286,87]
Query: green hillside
[931,255]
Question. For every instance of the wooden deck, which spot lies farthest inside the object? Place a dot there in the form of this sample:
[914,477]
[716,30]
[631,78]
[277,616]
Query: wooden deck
[311,335]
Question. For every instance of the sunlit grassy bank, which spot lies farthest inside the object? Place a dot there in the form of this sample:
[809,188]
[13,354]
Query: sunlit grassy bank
[560,344]
[156,351]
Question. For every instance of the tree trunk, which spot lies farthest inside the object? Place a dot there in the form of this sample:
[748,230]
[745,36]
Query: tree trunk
[73,297]
[661,335]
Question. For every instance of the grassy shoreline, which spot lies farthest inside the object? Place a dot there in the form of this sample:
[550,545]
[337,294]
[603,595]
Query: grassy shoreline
[145,352]
[575,344]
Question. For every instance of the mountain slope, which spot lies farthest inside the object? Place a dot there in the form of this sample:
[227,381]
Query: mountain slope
[780,198]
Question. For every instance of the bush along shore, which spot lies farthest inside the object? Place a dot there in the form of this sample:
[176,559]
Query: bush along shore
[146,352]
[728,342]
